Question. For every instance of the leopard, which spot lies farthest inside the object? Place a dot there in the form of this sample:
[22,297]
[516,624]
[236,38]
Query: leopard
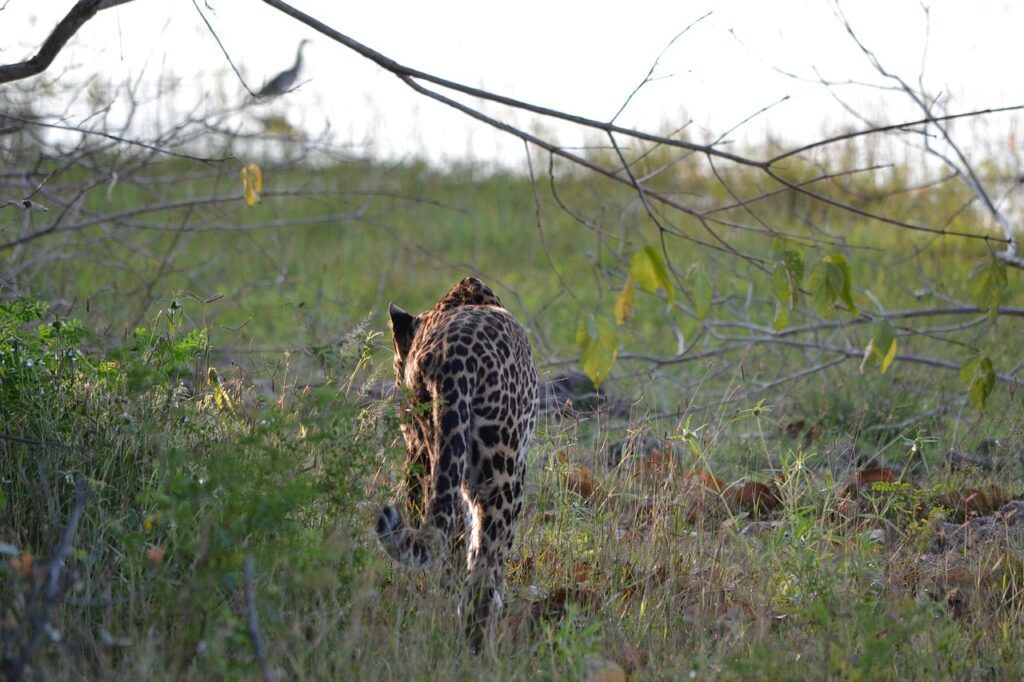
[469,407]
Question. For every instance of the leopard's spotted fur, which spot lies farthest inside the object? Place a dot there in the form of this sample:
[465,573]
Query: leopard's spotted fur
[471,387]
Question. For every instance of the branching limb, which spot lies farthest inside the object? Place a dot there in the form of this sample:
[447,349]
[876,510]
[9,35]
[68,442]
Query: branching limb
[414,79]
[960,164]
[83,11]
[114,138]
[657,60]
[48,590]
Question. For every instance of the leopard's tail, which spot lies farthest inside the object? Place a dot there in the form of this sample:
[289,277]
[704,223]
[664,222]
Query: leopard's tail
[420,547]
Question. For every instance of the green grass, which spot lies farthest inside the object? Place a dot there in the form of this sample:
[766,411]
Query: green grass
[280,459]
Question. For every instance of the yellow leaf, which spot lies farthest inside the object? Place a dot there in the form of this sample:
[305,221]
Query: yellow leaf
[220,396]
[224,400]
[624,303]
[257,175]
[889,356]
[252,181]
[883,344]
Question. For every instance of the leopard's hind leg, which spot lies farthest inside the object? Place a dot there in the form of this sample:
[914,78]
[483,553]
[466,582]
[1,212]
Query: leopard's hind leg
[495,503]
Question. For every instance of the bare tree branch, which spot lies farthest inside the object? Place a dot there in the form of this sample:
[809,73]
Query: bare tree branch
[83,11]
[48,590]
[960,165]
[755,183]
[650,72]
[903,126]
[114,138]
[406,72]
[412,78]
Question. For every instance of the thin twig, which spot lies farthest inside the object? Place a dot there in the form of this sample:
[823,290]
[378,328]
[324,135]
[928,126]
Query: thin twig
[115,138]
[540,223]
[657,60]
[223,49]
[909,421]
[761,389]
[873,130]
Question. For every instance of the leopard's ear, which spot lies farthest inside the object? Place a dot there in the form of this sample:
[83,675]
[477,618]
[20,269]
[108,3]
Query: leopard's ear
[403,327]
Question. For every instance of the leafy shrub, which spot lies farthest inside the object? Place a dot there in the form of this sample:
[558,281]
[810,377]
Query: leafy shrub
[189,473]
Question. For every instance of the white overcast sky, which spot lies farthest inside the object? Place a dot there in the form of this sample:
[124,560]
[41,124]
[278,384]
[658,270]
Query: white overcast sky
[582,57]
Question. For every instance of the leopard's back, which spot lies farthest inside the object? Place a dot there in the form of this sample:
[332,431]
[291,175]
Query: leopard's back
[472,407]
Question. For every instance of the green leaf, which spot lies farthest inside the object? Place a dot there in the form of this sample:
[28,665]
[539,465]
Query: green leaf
[829,280]
[781,286]
[787,277]
[781,316]
[785,287]
[22,310]
[642,271]
[661,271]
[583,334]
[987,284]
[795,266]
[650,272]
[700,287]
[599,346]
[979,378]
[821,282]
[844,291]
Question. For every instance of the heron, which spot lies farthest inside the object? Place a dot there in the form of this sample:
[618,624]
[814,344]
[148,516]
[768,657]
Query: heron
[283,82]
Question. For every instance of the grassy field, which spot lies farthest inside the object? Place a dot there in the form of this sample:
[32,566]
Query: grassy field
[202,381]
